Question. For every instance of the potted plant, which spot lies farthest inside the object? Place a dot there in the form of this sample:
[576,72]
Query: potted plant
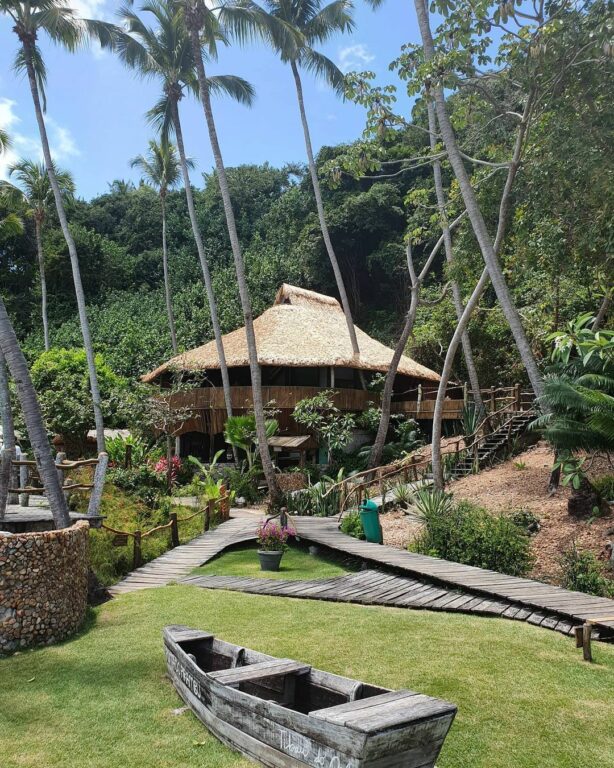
[272,543]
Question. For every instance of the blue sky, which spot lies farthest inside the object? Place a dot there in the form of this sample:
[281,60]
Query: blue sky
[96,106]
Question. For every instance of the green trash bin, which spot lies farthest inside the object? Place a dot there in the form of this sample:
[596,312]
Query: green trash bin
[369,517]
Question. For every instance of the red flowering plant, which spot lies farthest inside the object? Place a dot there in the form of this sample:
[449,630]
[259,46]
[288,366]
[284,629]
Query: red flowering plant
[273,537]
[161,466]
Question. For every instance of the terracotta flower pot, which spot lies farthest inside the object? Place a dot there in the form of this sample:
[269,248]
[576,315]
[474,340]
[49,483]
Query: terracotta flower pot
[269,560]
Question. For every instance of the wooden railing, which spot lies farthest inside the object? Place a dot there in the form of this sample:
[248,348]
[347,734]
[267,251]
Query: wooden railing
[28,476]
[207,511]
[354,489]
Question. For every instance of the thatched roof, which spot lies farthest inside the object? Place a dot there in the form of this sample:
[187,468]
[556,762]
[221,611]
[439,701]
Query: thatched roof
[301,329]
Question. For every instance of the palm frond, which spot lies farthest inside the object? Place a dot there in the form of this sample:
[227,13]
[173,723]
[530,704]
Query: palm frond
[11,226]
[20,65]
[61,25]
[5,141]
[231,85]
[322,67]
[333,18]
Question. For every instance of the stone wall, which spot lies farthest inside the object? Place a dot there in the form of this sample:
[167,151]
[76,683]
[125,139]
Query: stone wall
[43,586]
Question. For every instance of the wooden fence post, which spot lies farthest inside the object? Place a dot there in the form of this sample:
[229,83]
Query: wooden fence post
[583,640]
[493,400]
[517,398]
[174,530]
[137,557]
[209,512]
[59,458]
[465,394]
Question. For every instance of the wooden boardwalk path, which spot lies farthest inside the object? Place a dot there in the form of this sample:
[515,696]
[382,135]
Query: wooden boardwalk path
[550,601]
[178,562]
[372,587]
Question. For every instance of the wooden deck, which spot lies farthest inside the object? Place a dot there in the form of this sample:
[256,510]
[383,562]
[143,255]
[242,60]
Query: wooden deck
[550,601]
[372,587]
[178,562]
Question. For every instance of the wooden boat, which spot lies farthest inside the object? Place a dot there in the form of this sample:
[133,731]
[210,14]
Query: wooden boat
[285,714]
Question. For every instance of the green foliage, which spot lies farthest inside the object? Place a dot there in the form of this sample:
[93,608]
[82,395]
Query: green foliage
[116,447]
[320,499]
[465,533]
[584,573]
[140,481]
[352,526]
[244,484]
[61,379]
[240,432]
[432,502]
[604,486]
[204,484]
[321,416]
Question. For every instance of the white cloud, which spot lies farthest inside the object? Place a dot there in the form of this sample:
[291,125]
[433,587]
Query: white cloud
[354,57]
[61,140]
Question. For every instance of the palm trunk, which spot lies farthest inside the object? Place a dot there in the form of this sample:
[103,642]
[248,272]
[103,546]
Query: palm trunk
[167,282]
[41,269]
[215,323]
[8,438]
[263,447]
[34,420]
[448,249]
[320,206]
[475,214]
[72,250]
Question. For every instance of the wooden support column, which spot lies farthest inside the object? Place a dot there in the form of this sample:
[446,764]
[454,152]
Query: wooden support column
[583,640]
[137,558]
[517,398]
[174,530]
[493,400]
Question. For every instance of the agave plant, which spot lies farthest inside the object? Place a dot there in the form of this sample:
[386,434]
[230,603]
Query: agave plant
[432,502]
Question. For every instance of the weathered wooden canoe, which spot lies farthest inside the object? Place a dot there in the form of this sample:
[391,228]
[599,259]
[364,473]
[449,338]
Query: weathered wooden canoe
[286,714]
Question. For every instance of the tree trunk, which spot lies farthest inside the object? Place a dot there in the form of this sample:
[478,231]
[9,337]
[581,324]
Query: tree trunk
[263,447]
[475,214]
[41,269]
[167,282]
[204,264]
[72,250]
[438,480]
[320,206]
[34,420]
[11,477]
[604,308]
[447,237]
[375,456]
[504,209]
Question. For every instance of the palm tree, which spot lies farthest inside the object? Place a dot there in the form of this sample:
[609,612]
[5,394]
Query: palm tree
[206,27]
[60,24]
[33,183]
[11,353]
[162,169]
[165,54]
[293,29]
[34,420]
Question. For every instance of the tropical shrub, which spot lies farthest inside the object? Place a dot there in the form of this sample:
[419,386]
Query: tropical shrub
[582,572]
[140,481]
[604,486]
[116,448]
[243,484]
[351,525]
[466,533]
[432,502]
[61,379]
[240,432]
[320,415]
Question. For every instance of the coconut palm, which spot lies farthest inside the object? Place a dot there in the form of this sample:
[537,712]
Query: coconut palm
[60,24]
[206,27]
[164,53]
[33,183]
[293,29]
[162,169]
[11,353]
[34,420]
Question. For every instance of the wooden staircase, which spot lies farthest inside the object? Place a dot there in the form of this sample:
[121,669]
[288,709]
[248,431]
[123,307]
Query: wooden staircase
[492,444]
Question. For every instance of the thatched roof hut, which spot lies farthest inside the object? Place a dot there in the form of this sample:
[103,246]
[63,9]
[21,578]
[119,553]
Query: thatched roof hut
[302,329]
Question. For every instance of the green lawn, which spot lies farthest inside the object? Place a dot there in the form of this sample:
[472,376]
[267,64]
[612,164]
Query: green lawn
[525,697]
[295,564]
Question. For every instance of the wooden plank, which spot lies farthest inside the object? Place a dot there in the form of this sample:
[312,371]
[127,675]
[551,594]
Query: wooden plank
[339,711]
[238,675]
